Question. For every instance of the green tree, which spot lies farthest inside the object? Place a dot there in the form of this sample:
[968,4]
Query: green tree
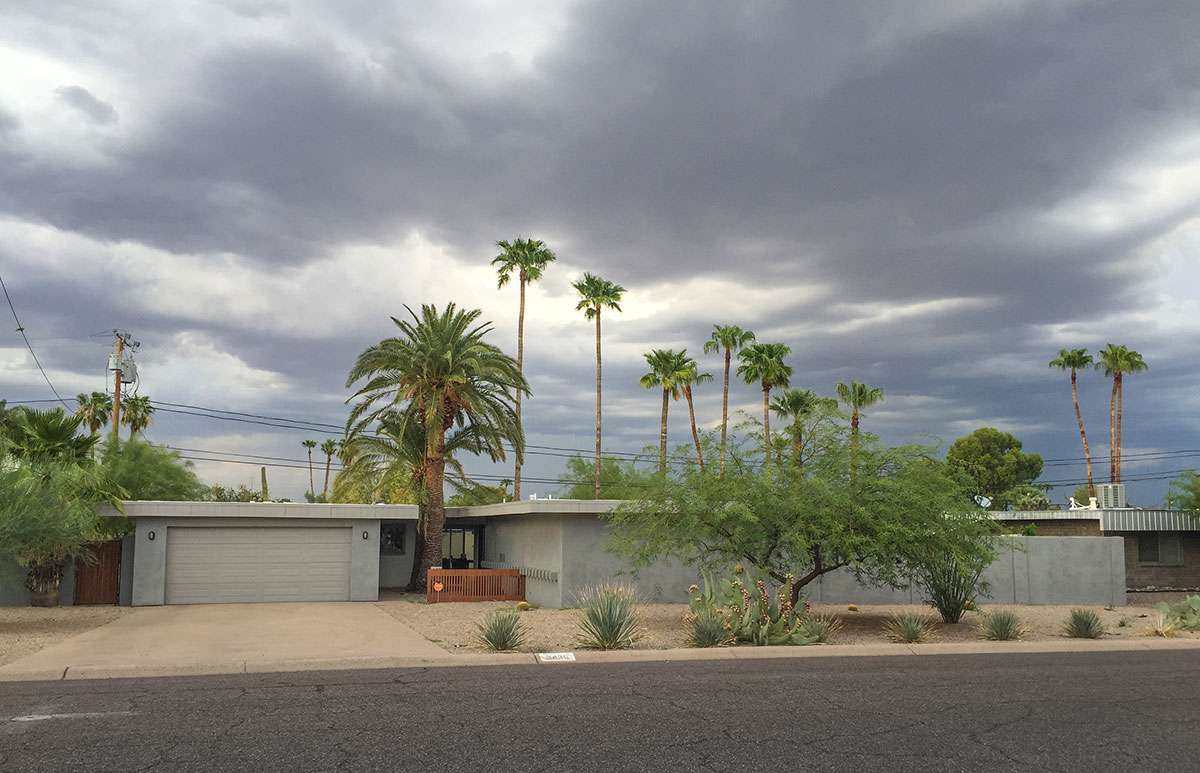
[857,396]
[135,414]
[309,445]
[329,447]
[48,435]
[803,407]
[95,410]
[1073,360]
[807,521]
[1116,361]
[763,363]
[150,473]
[527,258]
[480,494]
[1184,493]
[619,478]
[243,493]
[668,368]
[731,339]
[596,294]
[439,372]
[995,461]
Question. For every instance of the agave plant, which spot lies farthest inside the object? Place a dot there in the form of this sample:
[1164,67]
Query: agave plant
[502,630]
[709,629]
[1083,624]
[909,628]
[1001,625]
[609,621]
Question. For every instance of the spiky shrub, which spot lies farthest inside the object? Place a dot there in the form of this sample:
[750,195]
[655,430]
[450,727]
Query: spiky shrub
[1083,624]
[609,619]
[820,627]
[1001,625]
[1164,622]
[909,628]
[952,583]
[502,630]
[1188,612]
[709,629]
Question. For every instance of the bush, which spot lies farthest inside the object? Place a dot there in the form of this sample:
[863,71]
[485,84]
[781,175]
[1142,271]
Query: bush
[1164,622]
[709,629]
[953,582]
[909,628]
[609,620]
[502,630]
[819,627]
[1083,624]
[1188,612]
[1001,625]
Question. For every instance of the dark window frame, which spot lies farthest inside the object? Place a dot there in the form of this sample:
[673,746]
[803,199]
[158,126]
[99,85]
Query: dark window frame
[1160,548]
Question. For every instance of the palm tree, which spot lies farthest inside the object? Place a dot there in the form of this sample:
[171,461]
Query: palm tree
[94,409]
[1116,361]
[799,405]
[528,258]
[763,363]
[731,339]
[330,448]
[439,373]
[857,396]
[668,369]
[135,414]
[694,376]
[51,435]
[1073,360]
[309,445]
[596,294]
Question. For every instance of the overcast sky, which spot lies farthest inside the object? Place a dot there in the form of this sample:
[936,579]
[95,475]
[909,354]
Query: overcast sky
[930,197]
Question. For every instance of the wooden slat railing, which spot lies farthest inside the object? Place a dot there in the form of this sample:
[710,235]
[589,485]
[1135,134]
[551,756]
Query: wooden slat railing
[475,585]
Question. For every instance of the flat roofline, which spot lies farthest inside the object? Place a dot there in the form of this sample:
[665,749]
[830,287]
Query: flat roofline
[536,507]
[296,510]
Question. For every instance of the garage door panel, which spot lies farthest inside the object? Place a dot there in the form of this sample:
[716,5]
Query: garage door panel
[245,564]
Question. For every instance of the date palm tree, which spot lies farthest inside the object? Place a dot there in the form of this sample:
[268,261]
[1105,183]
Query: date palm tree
[135,413]
[857,396]
[95,410]
[596,294]
[732,339]
[694,376]
[527,258]
[309,445]
[441,373]
[763,364]
[668,369]
[329,447]
[1073,360]
[1116,361]
[799,405]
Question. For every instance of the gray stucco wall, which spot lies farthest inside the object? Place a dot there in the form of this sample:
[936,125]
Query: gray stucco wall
[534,543]
[395,569]
[586,563]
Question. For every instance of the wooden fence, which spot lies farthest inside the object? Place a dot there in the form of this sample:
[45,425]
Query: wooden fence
[474,585]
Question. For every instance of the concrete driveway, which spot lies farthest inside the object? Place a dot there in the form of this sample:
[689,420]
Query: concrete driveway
[232,638]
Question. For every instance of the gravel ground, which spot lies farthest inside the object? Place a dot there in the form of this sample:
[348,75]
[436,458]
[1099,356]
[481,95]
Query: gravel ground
[25,630]
[453,626]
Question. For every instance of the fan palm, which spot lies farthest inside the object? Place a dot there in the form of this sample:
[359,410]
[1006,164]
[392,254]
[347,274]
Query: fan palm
[857,396]
[763,363]
[135,414]
[799,405]
[528,258]
[596,294]
[1116,361]
[48,436]
[94,409]
[309,445]
[731,339]
[440,373]
[668,370]
[1073,360]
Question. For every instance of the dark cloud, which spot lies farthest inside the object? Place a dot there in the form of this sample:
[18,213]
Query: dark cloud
[97,110]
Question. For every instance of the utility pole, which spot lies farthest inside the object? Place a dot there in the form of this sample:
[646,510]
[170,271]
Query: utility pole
[122,368]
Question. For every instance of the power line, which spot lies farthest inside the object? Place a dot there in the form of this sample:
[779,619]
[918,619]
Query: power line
[29,346]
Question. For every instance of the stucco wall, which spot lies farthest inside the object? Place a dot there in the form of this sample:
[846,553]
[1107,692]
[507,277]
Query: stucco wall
[533,542]
[395,569]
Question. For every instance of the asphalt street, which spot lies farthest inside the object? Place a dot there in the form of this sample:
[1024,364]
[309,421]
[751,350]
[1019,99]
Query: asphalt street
[1049,712]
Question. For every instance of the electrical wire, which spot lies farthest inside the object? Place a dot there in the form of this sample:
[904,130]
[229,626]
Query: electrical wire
[29,346]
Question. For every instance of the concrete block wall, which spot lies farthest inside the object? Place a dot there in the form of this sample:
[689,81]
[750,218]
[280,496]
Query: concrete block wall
[1184,576]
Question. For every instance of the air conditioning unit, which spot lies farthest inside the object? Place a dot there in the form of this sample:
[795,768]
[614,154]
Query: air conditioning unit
[1110,495]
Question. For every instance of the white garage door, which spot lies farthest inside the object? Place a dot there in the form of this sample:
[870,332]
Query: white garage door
[236,564]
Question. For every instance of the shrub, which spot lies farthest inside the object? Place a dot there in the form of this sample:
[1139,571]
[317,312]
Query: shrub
[909,628]
[952,583]
[819,627]
[609,620]
[709,629]
[1188,612]
[1083,624]
[1164,622]
[502,630]
[1001,625]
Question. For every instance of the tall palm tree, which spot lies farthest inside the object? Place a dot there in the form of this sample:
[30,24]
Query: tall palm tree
[692,377]
[1073,360]
[94,409]
[439,372]
[799,405]
[309,445]
[668,369]
[731,339]
[857,396]
[596,294]
[135,414]
[1116,361]
[329,447]
[763,364]
[528,258]
[51,435]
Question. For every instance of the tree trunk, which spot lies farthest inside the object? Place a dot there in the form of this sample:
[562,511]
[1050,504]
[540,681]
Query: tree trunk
[328,464]
[596,490]
[1112,432]
[662,439]
[687,392]
[312,489]
[1087,453]
[767,421]
[1120,399]
[520,369]
[725,409]
[854,429]
[797,444]
[415,584]
[43,581]
[435,510]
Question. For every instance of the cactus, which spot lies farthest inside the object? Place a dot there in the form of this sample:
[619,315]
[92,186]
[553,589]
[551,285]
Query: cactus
[757,616]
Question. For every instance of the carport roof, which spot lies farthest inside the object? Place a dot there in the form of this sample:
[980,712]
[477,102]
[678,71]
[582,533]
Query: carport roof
[294,510]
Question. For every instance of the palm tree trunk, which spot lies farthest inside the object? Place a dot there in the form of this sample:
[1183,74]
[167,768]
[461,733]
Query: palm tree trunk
[312,489]
[328,464]
[1087,453]
[520,366]
[1120,401]
[854,429]
[767,421]
[725,409]
[797,445]
[596,490]
[662,439]
[435,511]
[687,392]
[1112,432]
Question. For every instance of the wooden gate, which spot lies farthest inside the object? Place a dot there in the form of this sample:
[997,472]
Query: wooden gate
[99,582]
[474,585]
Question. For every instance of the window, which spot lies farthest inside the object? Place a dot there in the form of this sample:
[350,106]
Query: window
[1160,547]
[391,538]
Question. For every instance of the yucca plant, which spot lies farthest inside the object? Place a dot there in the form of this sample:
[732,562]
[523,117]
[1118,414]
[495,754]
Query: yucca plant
[1001,625]
[709,628]
[909,628]
[1083,624]
[502,630]
[820,627]
[609,619]
[1164,622]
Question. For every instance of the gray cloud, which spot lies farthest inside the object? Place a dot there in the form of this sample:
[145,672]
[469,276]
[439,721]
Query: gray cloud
[97,110]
